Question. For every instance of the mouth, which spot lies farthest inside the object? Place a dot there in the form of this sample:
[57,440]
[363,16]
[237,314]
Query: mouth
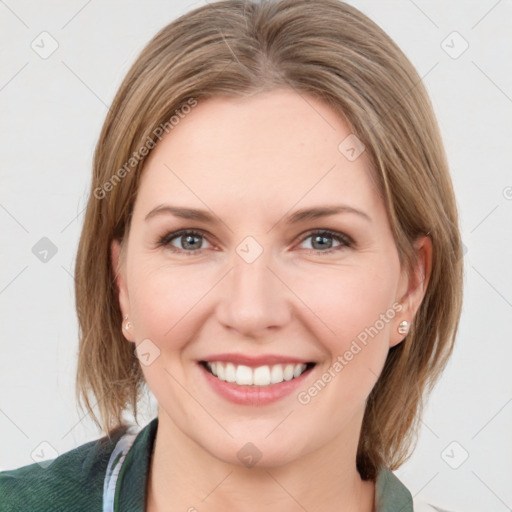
[256,376]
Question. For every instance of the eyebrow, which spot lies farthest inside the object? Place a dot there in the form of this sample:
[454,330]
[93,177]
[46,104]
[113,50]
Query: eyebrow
[302,215]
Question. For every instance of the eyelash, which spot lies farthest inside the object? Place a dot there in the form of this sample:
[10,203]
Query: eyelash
[164,241]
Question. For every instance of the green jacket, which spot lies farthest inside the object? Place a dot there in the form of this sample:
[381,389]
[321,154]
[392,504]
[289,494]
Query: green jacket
[110,475]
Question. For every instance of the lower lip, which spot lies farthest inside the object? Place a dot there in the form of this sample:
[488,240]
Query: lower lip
[253,395]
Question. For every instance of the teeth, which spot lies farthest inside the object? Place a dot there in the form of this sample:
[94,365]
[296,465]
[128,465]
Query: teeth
[288,372]
[297,370]
[243,375]
[276,374]
[230,372]
[259,376]
[221,372]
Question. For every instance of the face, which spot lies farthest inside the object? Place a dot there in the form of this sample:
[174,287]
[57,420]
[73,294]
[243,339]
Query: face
[295,313]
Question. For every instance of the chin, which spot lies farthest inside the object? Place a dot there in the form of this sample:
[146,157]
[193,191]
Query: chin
[255,455]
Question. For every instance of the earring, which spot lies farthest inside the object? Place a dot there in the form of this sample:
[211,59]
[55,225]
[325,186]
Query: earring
[403,328]
[128,324]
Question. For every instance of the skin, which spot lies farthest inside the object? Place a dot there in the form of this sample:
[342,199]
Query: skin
[251,162]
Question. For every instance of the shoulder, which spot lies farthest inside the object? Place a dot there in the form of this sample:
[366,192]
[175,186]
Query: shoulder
[72,481]
[391,494]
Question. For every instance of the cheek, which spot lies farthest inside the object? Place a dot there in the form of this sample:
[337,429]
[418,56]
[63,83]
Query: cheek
[353,313]
[347,301]
[338,303]
[165,301]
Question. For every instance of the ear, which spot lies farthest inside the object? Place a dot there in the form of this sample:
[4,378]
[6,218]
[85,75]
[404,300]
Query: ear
[412,287]
[119,269]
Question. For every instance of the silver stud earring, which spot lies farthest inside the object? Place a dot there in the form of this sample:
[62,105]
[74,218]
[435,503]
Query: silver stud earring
[127,325]
[403,328]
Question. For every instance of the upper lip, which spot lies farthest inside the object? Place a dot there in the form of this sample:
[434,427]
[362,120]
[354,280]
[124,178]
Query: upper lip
[254,361]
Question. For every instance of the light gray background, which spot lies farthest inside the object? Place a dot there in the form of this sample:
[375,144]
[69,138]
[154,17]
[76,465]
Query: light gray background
[52,110]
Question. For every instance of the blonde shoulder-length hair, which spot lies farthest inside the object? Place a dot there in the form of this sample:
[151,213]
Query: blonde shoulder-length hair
[332,51]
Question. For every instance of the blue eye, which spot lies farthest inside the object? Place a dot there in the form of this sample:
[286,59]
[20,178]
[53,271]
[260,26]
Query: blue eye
[191,241]
[187,238]
[321,239]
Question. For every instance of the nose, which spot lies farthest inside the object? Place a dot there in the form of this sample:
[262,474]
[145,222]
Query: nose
[255,298]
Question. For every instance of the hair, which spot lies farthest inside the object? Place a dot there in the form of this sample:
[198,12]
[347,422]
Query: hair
[333,52]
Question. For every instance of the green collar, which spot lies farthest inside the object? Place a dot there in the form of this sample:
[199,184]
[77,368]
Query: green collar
[390,496]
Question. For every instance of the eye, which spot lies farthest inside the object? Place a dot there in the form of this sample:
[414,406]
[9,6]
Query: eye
[189,240]
[320,239]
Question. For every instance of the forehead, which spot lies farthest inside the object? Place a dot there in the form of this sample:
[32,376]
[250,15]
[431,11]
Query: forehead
[275,148]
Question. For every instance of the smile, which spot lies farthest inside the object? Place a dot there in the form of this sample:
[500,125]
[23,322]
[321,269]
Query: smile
[265,375]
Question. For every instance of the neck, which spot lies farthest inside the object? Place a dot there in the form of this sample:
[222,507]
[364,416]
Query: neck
[183,476]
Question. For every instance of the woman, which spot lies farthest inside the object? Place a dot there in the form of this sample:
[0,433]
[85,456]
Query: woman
[271,244]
